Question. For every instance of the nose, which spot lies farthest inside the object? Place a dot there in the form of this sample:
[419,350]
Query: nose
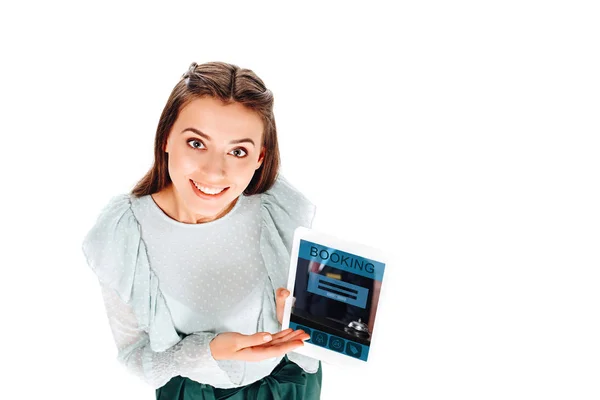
[213,166]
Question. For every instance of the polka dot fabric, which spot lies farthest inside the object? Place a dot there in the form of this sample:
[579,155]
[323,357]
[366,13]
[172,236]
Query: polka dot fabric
[170,287]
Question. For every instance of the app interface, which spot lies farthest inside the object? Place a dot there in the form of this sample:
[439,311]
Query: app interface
[336,295]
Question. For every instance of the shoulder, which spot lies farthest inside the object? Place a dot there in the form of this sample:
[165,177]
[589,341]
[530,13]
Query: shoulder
[116,253]
[283,202]
[112,243]
[118,204]
[117,213]
[284,208]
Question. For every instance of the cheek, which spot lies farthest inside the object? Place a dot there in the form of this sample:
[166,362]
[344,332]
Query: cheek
[182,163]
[243,169]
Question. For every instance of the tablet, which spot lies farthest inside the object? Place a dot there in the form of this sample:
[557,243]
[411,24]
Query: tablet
[335,287]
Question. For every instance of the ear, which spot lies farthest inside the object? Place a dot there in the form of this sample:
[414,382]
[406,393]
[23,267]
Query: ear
[261,157]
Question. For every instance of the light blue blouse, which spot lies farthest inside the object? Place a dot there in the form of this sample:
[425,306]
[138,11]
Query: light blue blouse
[170,287]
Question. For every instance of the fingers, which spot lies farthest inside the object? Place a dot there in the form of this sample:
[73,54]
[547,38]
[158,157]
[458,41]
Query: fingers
[261,338]
[290,336]
[258,353]
[264,338]
[254,340]
[282,333]
[256,347]
[284,347]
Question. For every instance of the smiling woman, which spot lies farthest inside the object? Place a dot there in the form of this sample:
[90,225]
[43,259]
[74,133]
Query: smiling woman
[192,262]
[207,163]
[224,105]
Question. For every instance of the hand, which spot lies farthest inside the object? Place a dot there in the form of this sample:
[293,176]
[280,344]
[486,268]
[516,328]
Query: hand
[280,295]
[257,347]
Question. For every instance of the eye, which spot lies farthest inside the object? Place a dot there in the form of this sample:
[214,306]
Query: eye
[239,153]
[195,144]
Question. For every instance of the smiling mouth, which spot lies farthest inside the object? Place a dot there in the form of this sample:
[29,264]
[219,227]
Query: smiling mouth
[209,191]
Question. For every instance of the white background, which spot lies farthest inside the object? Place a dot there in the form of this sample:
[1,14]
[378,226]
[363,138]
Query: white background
[461,137]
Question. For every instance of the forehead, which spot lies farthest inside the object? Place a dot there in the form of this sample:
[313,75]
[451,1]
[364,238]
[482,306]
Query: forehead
[219,120]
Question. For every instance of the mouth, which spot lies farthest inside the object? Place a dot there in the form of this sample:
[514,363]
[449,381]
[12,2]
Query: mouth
[207,191]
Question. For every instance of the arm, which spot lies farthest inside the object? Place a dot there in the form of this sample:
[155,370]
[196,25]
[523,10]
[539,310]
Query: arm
[191,357]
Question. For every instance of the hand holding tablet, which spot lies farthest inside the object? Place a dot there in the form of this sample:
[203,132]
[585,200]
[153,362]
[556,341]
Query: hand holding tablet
[335,286]
[257,347]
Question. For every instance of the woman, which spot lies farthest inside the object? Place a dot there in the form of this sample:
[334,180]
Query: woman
[192,263]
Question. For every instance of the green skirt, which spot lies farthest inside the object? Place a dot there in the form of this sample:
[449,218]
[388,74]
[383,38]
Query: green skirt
[288,381]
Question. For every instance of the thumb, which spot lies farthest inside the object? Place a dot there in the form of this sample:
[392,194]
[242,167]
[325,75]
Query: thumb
[282,293]
[254,340]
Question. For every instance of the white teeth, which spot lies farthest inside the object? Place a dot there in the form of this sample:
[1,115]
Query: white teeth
[208,190]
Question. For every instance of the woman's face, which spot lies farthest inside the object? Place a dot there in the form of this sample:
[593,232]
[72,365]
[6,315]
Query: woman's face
[214,150]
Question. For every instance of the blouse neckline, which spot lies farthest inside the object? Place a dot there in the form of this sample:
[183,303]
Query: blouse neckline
[163,216]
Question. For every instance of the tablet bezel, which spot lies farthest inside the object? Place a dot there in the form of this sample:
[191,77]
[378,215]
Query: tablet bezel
[312,350]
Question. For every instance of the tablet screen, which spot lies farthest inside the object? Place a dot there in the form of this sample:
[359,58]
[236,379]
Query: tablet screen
[336,295]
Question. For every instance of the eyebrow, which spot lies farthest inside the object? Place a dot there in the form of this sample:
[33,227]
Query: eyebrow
[205,136]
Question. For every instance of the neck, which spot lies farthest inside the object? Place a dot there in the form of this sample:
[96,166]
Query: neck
[169,201]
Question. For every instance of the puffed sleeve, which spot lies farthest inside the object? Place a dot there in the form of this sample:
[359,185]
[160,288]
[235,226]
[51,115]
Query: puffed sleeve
[283,209]
[148,343]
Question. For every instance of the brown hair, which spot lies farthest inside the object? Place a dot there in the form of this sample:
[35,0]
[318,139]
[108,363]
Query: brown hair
[230,84]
